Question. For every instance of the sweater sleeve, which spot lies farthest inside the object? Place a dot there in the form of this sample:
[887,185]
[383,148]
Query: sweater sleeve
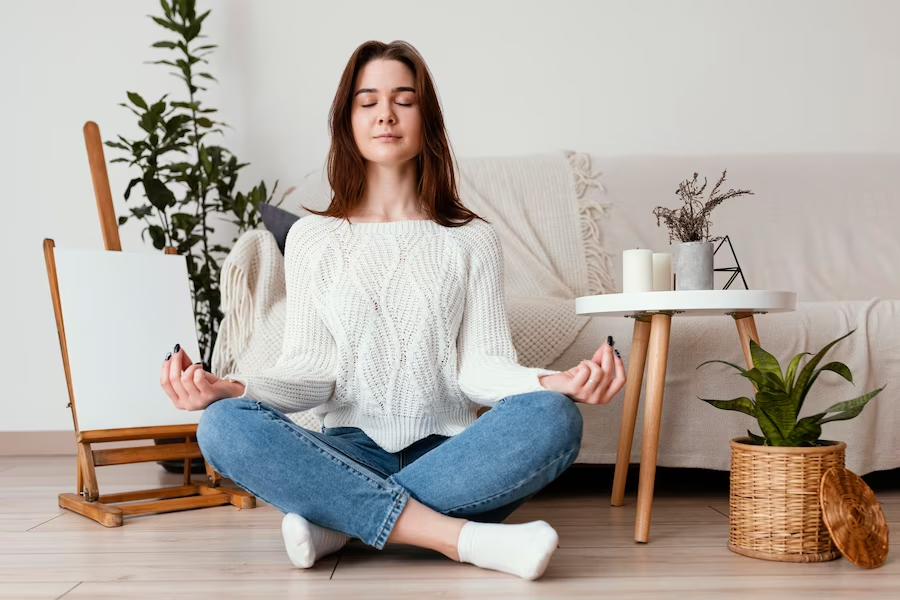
[305,373]
[488,364]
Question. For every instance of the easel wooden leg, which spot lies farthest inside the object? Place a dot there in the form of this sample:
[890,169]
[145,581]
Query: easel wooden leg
[660,328]
[187,466]
[214,478]
[108,516]
[79,476]
[90,491]
[637,360]
[236,497]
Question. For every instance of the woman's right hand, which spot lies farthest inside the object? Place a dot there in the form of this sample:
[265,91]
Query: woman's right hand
[192,388]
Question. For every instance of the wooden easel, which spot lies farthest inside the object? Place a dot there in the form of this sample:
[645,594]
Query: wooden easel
[87,500]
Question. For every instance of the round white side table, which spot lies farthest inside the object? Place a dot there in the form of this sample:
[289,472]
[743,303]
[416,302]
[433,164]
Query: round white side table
[652,313]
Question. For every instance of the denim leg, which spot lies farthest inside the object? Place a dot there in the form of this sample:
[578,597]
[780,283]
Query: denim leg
[505,457]
[299,471]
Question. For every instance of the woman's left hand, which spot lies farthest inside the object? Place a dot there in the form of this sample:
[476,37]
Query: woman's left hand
[594,381]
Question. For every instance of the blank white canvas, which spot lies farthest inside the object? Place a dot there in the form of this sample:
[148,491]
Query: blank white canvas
[122,313]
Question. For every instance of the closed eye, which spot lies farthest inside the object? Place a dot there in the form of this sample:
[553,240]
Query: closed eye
[374,103]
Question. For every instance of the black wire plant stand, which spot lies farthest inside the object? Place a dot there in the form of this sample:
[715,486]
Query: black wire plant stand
[735,270]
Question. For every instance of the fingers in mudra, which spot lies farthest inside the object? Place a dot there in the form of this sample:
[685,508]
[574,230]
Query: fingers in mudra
[186,383]
[596,384]
[598,380]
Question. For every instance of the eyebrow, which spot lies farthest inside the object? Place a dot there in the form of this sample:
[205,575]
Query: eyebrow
[373,90]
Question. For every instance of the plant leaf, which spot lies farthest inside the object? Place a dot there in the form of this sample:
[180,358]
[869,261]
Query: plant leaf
[131,184]
[741,369]
[158,236]
[806,432]
[169,45]
[743,404]
[777,406]
[764,382]
[158,194]
[169,25]
[791,373]
[756,438]
[849,408]
[768,427]
[204,160]
[839,368]
[137,100]
[766,363]
[806,379]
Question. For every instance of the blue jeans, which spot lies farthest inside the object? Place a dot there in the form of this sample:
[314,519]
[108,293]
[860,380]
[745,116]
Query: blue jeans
[342,480]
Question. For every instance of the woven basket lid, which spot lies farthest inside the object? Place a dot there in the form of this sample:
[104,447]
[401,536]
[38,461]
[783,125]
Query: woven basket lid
[853,516]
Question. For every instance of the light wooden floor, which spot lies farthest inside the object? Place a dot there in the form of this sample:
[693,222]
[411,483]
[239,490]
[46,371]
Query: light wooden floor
[226,553]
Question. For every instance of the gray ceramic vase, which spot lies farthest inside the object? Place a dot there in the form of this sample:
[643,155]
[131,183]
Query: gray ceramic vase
[694,266]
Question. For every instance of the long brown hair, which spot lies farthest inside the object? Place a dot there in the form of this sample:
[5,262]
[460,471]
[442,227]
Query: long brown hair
[436,188]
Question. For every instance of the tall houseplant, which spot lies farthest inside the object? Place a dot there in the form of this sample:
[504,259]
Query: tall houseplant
[690,225]
[774,499]
[188,182]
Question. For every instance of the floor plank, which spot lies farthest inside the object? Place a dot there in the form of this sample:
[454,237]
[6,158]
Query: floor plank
[35,591]
[24,521]
[224,552]
[166,565]
[792,587]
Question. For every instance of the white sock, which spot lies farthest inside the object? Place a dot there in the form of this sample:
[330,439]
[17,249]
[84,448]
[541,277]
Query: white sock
[306,542]
[522,550]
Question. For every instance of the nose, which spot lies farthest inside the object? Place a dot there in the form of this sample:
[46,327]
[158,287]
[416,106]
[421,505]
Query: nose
[387,116]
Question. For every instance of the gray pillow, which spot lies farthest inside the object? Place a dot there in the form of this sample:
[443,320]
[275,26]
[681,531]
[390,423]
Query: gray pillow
[278,222]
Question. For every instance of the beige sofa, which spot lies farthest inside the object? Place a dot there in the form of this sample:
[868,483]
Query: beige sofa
[822,226]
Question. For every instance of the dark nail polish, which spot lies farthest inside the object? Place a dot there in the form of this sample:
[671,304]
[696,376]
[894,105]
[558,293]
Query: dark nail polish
[610,341]
[617,353]
[198,363]
[168,356]
[177,348]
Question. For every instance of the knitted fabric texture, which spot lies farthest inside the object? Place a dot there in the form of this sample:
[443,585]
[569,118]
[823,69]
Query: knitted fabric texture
[399,329]
[549,212]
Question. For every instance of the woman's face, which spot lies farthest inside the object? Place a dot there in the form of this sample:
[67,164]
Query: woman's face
[387,125]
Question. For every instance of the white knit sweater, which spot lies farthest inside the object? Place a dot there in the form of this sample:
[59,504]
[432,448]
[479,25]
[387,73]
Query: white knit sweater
[396,328]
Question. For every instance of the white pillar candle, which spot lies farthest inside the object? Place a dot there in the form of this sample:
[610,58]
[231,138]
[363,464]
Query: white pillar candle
[662,272]
[637,270]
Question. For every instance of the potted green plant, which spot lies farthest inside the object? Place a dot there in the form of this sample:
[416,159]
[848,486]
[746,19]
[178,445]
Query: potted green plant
[189,183]
[775,476]
[690,226]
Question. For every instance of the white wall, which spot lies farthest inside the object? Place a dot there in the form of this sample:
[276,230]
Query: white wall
[607,77]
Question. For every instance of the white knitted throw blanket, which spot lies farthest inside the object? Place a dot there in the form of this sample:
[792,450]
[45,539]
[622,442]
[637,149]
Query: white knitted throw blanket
[551,232]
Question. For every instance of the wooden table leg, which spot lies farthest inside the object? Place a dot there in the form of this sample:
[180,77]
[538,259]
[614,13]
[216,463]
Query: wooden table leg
[660,327]
[746,327]
[637,359]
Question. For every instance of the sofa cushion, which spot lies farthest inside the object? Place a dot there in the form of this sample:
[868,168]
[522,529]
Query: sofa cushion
[278,222]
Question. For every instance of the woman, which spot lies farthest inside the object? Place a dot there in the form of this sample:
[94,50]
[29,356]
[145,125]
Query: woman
[395,333]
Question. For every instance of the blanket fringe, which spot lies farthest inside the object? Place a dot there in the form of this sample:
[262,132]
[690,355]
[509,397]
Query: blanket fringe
[236,327]
[600,278]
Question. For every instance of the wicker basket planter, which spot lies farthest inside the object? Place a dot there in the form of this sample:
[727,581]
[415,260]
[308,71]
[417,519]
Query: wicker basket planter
[774,506]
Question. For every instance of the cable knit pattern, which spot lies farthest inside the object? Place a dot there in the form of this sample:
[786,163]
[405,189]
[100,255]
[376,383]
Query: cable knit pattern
[397,328]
